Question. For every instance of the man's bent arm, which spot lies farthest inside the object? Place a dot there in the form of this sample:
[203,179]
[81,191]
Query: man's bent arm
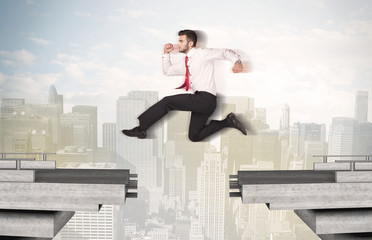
[215,54]
[170,69]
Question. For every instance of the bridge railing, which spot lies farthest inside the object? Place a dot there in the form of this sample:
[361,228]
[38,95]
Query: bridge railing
[325,157]
[43,156]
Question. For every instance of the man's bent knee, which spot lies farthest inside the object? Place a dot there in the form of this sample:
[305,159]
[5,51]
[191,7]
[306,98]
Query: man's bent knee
[195,138]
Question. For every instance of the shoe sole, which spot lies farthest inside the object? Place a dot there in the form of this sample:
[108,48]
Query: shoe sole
[239,125]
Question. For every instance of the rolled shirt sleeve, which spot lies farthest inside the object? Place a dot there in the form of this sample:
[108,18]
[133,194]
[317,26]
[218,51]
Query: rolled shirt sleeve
[170,69]
[220,54]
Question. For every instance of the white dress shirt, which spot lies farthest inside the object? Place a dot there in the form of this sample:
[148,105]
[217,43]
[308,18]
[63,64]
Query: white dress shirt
[200,65]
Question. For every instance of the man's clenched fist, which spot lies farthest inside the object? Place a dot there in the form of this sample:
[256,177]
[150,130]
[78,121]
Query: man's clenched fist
[168,48]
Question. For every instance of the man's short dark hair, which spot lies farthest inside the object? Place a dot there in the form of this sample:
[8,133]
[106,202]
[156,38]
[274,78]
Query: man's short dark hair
[190,35]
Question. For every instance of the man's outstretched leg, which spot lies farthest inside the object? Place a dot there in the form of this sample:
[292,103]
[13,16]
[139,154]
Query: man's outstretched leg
[201,104]
[199,131]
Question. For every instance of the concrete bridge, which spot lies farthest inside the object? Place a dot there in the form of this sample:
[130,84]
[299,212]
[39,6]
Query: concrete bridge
[37,199]
[334,199]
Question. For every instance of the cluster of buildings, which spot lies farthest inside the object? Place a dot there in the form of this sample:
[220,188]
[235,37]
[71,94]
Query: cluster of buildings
[183,186]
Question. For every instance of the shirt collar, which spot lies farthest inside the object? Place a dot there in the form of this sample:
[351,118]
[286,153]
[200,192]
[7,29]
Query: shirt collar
[191,52]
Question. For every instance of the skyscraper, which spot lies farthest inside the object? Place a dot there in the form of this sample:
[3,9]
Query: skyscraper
[361,106]
[91,111]
[177,182]
[313,148]
[139,153]
[260,114]
[55,99]
[365,138]
[90,225]
[211,187]
[7,106]
[284,121]
[75,128]
[303,132]
[44,111]
[266,147]
[23,133]
[109,136]
[343,136]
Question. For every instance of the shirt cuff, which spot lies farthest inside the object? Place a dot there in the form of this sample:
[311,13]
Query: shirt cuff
[165,56]
[235,59]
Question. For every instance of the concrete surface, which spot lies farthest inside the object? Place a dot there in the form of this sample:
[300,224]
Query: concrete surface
[8,164]
[334,221]
[57,196]
[38,164]
[332,166]
[309,196]
[42,224]
[17,176]
[354,176]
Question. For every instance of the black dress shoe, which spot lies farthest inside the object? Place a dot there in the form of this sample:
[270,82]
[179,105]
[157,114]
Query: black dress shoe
[234,122]
[135,133]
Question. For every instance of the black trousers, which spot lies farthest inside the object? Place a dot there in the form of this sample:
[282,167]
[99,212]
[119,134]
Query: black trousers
[201,105]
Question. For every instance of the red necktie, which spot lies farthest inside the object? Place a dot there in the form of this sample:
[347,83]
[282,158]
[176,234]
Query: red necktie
[187,80]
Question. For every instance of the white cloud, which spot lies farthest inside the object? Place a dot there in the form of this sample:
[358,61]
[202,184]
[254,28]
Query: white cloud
[83,14]
[8,63]
[102,46]
[2,78]
[36,85]
[141,13]
[73,58]
[74,45]
[160,34]
[121,14]
[20,56]
[40,41]
[142,55]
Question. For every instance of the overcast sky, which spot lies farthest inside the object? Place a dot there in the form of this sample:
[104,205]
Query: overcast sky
[312,55]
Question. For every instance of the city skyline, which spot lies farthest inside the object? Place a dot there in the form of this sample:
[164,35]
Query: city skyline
[15,104]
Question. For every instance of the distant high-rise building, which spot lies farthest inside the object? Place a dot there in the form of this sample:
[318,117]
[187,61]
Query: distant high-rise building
[139,153]
[284,121]
[238,146]
[75,128]
[267,147]
[302,132]
[7,106]
[90,225]
[177,182]
[343,136]
[361,106]
[159,234]
[44,111]
[313,148]
[109,136]
[55,99]
[260,114]
[211,187]
[365,138]
[91,111]
[23,133]
[243,105]
[293,139]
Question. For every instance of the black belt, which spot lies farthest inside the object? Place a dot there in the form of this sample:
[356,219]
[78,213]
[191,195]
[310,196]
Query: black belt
[203,93]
